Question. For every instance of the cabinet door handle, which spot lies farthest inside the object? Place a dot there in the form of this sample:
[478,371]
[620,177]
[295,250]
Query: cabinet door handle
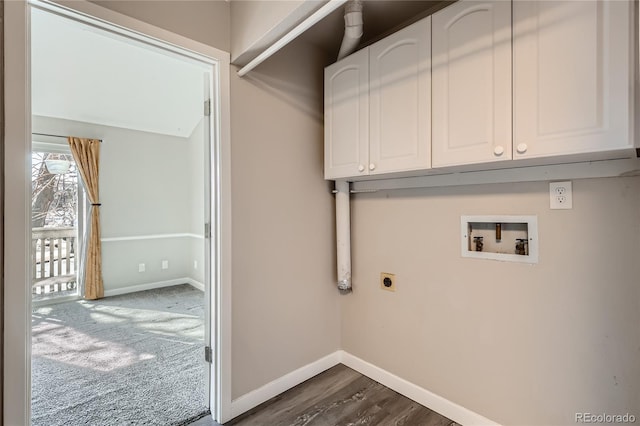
[521,148]
[498,150]
[372,166]
[361,168]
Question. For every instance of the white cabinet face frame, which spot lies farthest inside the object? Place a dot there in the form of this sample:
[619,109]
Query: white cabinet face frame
[346,117]
[572,77]
[472,114]
[400,100]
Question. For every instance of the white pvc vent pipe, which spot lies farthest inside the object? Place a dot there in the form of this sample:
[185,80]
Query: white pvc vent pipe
[343,235]
[353,25]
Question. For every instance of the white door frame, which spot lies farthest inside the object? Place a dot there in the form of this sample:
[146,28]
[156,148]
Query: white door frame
[17,309]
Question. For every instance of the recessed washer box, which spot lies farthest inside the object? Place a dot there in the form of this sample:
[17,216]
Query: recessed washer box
[500,237]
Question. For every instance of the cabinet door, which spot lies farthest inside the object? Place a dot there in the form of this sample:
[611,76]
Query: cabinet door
[472,83]
[571,77]
[400,100]
[346,117]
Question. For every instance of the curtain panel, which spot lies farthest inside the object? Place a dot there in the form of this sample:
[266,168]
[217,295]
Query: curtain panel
[86,153]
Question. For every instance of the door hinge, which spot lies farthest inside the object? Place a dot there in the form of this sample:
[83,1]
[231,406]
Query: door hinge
[207,230]
[208,354]
[207,108]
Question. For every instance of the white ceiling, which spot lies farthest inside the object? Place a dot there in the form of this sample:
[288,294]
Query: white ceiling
[86,74]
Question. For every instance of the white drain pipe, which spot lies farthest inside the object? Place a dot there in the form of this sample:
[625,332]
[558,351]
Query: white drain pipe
[353,24]
[352,33]
[343,235]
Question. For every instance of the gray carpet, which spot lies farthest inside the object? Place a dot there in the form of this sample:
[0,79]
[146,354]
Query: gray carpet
[135,359]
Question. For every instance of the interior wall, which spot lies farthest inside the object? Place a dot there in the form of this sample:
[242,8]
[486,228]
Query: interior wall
[146,196]
[206,21]
[516,343]
[286,310]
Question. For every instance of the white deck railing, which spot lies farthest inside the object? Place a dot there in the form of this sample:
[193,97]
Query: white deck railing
[53,260]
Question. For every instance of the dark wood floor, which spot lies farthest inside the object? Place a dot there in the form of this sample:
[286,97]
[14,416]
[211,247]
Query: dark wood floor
[339,396]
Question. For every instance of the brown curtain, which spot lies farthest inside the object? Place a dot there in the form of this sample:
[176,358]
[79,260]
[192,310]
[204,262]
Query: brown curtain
[86,153]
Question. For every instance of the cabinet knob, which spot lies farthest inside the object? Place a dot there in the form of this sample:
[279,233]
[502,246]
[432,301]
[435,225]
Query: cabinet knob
[361,168]
[521,148]
[372,166]
[498,150]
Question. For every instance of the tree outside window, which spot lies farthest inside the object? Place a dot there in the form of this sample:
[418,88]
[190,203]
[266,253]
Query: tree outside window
[54,199]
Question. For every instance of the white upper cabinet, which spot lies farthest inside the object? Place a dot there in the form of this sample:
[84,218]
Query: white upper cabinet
[346,117]
[472,83]
[481,82]
[400,101]
[572,85]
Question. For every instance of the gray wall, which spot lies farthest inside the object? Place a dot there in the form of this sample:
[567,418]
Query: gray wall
[286,310]
[206,21]
[517,343]
[147,182]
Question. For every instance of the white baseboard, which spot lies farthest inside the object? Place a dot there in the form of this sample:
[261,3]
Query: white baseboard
[254,398]
[422,396]
[146,286]
[194,283]
[246,402]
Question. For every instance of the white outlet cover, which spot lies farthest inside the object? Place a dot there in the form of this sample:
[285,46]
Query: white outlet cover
[141,267]
[560,195]
[165,264]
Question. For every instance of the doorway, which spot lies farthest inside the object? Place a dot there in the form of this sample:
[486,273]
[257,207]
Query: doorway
[17,299]
[88,82]
[56,220]
[213,158]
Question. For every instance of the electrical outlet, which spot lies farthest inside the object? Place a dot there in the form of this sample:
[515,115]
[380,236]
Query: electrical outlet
[388,281]
[141,267]
[195,264]
[165,264]
[560,195]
